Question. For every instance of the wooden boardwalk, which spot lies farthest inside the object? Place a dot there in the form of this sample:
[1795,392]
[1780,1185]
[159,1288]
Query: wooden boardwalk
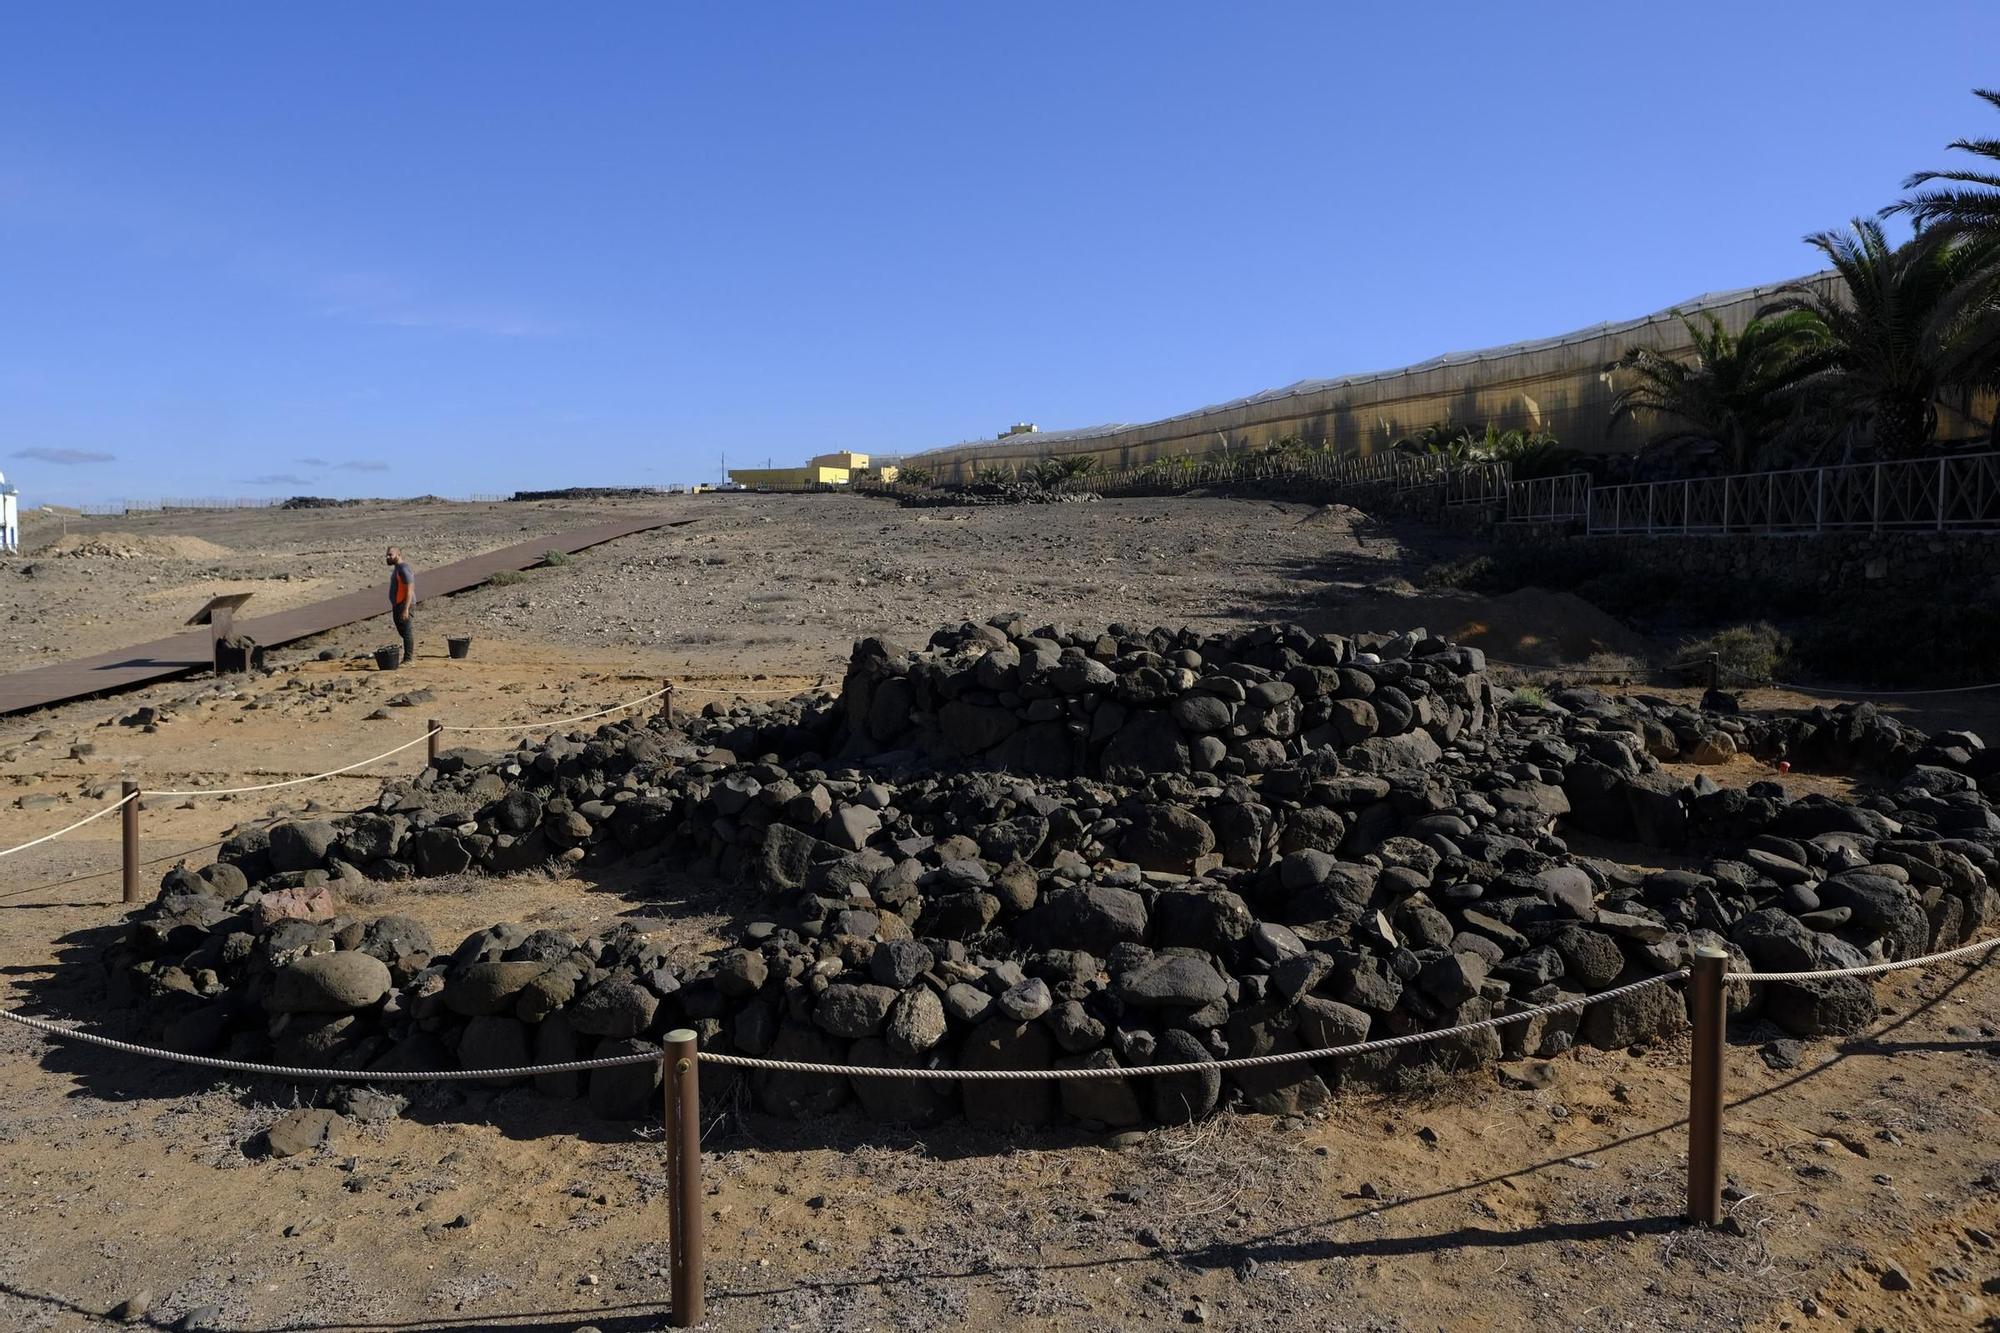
[182,654]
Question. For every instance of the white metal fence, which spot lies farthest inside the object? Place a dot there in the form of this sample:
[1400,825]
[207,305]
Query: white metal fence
[1481,483]
[1955,493]
[1959,493]
[1563,499]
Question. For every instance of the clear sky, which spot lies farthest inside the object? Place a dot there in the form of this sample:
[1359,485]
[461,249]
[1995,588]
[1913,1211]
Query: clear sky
[391,249]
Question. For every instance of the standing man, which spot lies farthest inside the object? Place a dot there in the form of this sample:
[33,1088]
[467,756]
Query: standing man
[402,596]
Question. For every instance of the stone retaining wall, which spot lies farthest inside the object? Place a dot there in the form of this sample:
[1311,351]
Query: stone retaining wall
[1916,562]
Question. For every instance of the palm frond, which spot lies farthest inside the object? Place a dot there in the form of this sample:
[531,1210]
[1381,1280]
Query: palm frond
[1977,208]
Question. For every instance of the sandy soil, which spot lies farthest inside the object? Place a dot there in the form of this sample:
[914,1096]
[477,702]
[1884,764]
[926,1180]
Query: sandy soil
[1474,1205]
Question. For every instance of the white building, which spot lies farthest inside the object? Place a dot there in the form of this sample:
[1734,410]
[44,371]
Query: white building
[10,517]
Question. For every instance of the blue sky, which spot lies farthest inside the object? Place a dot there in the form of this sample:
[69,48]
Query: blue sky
[391,249]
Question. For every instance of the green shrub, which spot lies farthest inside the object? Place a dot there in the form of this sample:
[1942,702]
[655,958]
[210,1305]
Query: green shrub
[553,558]
[1472,573]
[1746,653]
[1530,696]
[507,578]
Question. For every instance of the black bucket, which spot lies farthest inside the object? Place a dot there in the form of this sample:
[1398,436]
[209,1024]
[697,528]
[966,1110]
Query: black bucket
[459,647]
[388,657]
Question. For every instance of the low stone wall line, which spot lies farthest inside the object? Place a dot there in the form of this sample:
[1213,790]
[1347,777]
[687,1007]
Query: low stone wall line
[1021,848]
[858,1071]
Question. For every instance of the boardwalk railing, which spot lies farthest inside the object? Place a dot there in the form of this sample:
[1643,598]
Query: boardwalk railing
[1954,493]
[1482,483]
[1951,493]
[1563,499]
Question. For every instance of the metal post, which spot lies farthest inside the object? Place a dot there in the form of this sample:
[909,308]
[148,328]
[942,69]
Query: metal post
[667,704]
[1707,1013]
[680,1085]
[1877,504]
[1819,501]
[1940,489]
[1725,506]
[431,747]
[128,818]
[1715,671]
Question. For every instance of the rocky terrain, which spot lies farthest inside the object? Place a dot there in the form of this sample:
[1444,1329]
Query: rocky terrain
[1031,848]
[1528,1192]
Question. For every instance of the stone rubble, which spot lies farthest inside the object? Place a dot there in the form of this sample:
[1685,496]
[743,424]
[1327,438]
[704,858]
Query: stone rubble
[1036,848]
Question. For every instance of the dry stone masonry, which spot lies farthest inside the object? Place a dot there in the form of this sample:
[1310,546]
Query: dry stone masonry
[1035,848]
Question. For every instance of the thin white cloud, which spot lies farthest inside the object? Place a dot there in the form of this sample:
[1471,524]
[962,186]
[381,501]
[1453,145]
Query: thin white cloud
[362,465]
[65,457]
[279,479]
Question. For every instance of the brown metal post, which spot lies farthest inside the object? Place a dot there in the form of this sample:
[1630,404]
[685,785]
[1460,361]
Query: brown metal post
[1708,1013]
[431,747]
[128,818]
[1715,671]
[681,1081]
[667,704]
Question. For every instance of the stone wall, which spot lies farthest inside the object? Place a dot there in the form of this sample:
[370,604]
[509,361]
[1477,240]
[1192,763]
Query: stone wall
[1373,844]
[1915,562]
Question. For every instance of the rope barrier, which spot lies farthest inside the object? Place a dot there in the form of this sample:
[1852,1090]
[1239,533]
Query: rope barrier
[753,694]
[1637,670]
[119,804]
[1741,677]
[1872,969]
[1871,693]
[293,782]
[436,730]
[60,1032]
[1192,1066]
[566,721]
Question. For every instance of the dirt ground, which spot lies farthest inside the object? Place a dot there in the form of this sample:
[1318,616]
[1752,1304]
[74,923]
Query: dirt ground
[1863,1179]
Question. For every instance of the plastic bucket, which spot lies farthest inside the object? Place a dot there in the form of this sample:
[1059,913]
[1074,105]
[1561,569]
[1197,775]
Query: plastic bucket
[388,657]
[459,647]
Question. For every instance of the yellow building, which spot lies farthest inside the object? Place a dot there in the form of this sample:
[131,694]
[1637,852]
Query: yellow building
[835,469]
[787,478]
[845,459]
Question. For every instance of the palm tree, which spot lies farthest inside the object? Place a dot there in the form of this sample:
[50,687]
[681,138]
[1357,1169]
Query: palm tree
[1898,328]
[1530,454]
[1965,205]
[1734,396]
[1051,472]
[1976,208]
[1441,439]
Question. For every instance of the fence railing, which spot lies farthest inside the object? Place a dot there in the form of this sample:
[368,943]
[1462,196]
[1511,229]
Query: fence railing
[1952,493]
[1482,483]
[1563,499]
